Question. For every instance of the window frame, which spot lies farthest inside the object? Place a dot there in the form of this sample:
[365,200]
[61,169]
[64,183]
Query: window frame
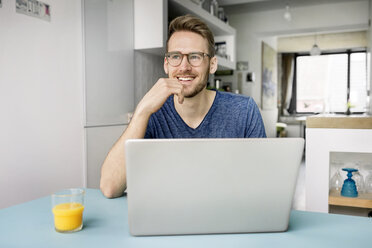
[348,52]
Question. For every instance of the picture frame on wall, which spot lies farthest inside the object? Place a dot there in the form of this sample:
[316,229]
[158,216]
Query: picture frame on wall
[269,77]
[33,8]
[242,65]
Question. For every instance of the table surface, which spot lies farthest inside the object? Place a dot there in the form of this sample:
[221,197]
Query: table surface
[106,225]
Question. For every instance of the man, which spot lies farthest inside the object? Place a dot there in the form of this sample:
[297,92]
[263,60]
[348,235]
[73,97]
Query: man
[180,106]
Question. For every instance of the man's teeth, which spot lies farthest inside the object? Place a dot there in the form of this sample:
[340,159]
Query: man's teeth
[185,78]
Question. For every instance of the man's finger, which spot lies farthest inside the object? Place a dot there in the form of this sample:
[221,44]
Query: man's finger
[180,96]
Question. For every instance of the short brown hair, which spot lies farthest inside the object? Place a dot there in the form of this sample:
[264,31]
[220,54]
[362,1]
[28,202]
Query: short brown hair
[192,24]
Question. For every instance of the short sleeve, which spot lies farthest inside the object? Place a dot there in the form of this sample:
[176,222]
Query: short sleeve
[255,127]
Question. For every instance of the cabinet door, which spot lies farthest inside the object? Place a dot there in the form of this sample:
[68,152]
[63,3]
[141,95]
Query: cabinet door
[109,55]
[99,142]
[150,23]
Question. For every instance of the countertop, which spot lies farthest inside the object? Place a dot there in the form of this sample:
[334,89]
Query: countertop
[339,121]
[295,119]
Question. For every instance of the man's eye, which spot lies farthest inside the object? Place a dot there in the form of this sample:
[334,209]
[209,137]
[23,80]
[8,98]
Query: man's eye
[194,57]
[175,56]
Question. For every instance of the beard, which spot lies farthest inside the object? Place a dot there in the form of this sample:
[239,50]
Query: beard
[200,86]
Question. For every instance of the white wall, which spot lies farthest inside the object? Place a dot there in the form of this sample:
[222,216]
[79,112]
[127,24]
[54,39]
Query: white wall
[41,102]
[253,27]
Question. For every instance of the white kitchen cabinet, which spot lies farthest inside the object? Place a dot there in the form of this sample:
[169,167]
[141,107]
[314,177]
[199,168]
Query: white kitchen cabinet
[108,57]
[99,142]
[109,77]
[151,27]
[326,135]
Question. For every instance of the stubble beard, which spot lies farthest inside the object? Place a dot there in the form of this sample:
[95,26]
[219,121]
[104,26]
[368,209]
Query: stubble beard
[199,87]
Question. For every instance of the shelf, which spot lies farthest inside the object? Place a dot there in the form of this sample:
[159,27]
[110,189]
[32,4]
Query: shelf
[152,40]
[217,26]
[362,201]
[224,64]
[221,30]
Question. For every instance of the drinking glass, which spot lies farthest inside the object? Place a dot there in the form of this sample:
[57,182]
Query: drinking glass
[358,178]
[336,181]
[68,207]
[368,182]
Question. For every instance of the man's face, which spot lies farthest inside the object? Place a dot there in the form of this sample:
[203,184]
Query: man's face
[194,79]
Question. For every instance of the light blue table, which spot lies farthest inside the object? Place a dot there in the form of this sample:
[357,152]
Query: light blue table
[105,225]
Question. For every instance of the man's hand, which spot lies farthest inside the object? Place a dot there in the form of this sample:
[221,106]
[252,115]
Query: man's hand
[158,94]
[113,173]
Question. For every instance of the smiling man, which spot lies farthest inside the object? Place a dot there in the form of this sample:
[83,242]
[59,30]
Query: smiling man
[180,106]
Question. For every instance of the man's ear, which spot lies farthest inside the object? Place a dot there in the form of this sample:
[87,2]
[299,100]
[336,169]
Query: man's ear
[213,65]
[165,65]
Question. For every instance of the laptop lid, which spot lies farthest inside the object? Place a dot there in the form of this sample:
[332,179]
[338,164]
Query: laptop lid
[195,186]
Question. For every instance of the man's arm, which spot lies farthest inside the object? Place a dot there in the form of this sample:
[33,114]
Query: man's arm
[113,172]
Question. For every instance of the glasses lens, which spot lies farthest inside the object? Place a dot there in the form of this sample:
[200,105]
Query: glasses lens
[195,59]
[175,59]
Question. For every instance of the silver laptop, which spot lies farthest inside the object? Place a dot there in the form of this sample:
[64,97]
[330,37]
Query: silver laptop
[201,186]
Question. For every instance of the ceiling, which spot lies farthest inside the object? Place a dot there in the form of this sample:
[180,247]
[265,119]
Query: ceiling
[233,2]
[244,6]
[235,7]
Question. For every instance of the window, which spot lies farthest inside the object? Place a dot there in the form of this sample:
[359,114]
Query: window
[359,76]
[325,83]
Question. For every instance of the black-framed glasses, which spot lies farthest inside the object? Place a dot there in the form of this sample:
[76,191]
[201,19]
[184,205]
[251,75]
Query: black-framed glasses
[194,58]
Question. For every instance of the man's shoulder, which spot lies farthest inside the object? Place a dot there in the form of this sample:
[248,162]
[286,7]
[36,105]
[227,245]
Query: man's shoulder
[229,97]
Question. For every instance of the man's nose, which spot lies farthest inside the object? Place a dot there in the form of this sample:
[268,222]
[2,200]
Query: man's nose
[185,65]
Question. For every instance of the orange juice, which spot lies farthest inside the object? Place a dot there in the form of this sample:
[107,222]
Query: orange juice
[68,216]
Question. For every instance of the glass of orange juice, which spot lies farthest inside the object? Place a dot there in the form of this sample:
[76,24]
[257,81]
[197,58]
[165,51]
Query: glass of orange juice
[68,207]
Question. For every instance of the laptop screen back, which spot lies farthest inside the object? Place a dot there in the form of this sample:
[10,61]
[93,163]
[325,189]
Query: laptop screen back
[194,186]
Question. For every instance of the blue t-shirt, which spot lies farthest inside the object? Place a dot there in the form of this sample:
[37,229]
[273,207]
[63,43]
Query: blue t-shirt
[230,116]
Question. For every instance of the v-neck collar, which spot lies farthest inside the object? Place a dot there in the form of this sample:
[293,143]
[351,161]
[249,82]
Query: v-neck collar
[210,111]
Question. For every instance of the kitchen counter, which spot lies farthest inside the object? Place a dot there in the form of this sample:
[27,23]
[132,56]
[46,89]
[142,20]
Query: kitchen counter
[339,121]
[293,119]
[295,125]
